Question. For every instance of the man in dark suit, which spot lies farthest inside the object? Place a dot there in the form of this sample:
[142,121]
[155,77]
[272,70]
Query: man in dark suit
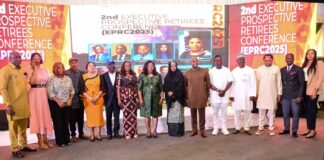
[111,102]
[121,53]
[292,78]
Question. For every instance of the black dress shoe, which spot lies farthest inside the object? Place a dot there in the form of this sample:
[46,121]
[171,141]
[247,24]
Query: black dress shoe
[82,137]
[155,136]
[284,132]
[295,135]
[248,133]
[117,136]
[236,132]
[18,154]
[109,137]
[28,149]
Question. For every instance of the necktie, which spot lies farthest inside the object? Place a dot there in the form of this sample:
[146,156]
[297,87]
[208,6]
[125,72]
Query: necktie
[288,68]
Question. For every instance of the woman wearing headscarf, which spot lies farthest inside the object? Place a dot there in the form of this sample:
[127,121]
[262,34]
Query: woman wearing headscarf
[175,99]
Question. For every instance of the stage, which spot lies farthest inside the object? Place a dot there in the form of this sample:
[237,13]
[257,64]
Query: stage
[162,125]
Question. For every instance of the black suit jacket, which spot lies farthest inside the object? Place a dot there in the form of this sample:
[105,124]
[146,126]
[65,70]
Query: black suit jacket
[293,82]
[111,92]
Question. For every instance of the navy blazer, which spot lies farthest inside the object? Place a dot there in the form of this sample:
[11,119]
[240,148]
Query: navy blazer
[293,82]
[111,91]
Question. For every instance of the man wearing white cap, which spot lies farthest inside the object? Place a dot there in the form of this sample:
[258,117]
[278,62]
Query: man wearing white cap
[243,93]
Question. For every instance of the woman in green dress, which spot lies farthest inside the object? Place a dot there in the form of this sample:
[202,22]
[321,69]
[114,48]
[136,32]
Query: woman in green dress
[150,91]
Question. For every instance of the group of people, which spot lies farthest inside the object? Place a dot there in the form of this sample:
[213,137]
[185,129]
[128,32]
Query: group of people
[57,103]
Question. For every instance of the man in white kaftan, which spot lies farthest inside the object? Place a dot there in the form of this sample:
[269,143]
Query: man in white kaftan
[243,93]
[269,92]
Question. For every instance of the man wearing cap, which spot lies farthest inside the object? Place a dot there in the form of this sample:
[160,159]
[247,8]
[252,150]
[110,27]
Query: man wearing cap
[13,87]
[111,102]
[242,95]
[77,108]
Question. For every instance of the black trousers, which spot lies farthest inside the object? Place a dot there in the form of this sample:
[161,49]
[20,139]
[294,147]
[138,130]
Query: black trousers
[76,117]
[110,110]
[311,106]
[60,117]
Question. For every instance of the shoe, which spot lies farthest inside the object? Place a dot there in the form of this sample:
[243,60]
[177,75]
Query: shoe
[259,132]
[215,132]
[42,145]
[203,134]
[135,136]
[18,154]
[193,133]
[236,132]
[295,135]
[225,132]
[74,139]
[83,137]
[272,133]
[311,135]
[109,137]
[155,135]
[248,132]
[99,138]
[92,139]
[305,133]
[284,132]
[62,145]
[49,145]
[117,135]
[148,136]
[28,149]
[128,137]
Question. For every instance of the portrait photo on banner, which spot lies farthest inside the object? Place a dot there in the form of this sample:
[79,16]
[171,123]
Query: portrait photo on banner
[121,52]
[98,53]
[143,51]
[195,44]
[164,51]
[138,69]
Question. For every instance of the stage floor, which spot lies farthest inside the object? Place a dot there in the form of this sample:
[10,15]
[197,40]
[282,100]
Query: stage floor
[162,125]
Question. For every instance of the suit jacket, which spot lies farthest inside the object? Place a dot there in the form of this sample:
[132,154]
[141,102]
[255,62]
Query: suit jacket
[127,57]
[103,57]
[316,79]
[111,91]
[292,82]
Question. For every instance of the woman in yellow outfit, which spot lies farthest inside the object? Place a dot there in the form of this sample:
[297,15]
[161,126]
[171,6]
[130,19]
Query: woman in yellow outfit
[92,88]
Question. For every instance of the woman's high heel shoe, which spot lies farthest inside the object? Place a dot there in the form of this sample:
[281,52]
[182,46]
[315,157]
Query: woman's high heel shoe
[92,139]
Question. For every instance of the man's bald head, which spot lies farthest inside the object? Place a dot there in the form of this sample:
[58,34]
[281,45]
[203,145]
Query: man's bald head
[15,58]
[194,62]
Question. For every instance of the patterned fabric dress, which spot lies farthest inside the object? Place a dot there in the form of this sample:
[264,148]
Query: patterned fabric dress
[127,86]
[151,87]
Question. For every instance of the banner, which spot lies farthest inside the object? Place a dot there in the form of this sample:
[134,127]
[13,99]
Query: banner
[34,27]
[277,28]
[145,32]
